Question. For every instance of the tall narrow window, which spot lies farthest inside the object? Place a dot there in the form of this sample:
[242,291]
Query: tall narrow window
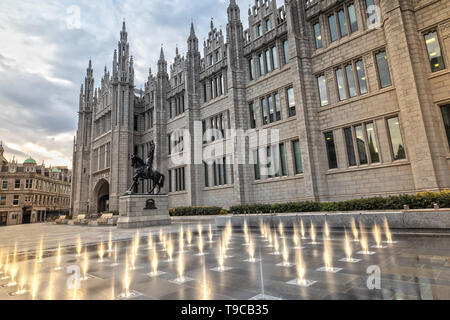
[265,114]
[383,70]
[268,59]
[372,143]
[270,163]
[297,157]
[351,80]
[170,181]
[350,147]
[261,64]
[275,57]
[268,25]
[286,51]
[271,110]
[291,102]
[277,107]
[434,51]
[283,166]
[251,108]
[256,164]
[352,18]
[323,93]
[362,81]
[446,116]
[341,84]
[398,149]
[259,30]
[361,144]
[342,23]
[205,168]
[317,36]
[333,29]
[215,173]
[224,167]
[331,150]
[251,66]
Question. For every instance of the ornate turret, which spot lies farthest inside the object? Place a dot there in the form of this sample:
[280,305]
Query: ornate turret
[3,161]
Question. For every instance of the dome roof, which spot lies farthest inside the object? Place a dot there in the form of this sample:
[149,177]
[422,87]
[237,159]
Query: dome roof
[29,161]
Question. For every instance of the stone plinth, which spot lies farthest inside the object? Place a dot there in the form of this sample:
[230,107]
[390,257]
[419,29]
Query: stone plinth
[136,212]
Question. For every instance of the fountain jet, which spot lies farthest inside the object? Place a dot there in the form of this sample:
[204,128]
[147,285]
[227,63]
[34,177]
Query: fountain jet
[348,250]
[301,280]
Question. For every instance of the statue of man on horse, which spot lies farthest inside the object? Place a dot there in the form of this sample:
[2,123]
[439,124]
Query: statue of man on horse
[144,171]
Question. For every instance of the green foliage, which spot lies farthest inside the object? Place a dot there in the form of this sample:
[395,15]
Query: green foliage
[424,200]
[196,211]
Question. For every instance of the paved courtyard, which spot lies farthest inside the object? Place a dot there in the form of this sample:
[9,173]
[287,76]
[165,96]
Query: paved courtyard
[415,266]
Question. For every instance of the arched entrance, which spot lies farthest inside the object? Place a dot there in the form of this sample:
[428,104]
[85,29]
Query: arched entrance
[102,196]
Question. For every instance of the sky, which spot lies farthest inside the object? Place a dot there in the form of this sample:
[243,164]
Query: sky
[45,49]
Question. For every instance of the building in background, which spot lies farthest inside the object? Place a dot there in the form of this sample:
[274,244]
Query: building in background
[358,90]
[31,193]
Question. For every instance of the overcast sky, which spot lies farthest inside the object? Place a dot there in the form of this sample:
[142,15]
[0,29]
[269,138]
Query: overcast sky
[45,49]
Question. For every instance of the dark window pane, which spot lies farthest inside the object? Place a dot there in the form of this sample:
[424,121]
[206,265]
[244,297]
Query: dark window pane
[446,116]
[362,81]
[361,144]
[317,36]
[270,167]
[277,107]
[205,167]
[297,157]
[342,23]
[398,148]
[256,164]
[352,18]
[333,30]
[264,112]
[434,51]
[268,59]
[286,51]
[383,70]
[283,160]
[331,150]
[252,116]
[261,64]
[251,66]
[351,80]
[271,110]
[350,147]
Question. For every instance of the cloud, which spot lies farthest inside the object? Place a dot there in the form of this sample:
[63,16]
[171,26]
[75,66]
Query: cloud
[47,44]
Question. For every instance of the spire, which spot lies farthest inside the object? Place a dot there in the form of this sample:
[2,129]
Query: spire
[212,23]
[233,11]
[161,56]
[123,33]
[192,40]
[162,63]
[124,27]
[192,30]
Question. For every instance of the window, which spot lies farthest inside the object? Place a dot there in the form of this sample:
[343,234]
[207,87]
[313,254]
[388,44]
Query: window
[277,107]
[322,90]
[297,157]
[17,184]
[332,26]
[271,109]
[317,36]
[265,114]
[361,77]
[251,108]
[372,143]
[370,10]
[352,18]
[256,164]
[170,181]
[397,148]
[434,51]
[446,116]
[286,51]
[361,144]
[283,160]
[224,169]
[268,64]
[259,30]
[342,23]
[341,84]
[350,80]
[268,25]
[331,150]
[350,147]
[16,200]
[383,70]
[251,66]
[261,64]
[291,102]
[3,200]
[28,183]
[5,184]
[275,58]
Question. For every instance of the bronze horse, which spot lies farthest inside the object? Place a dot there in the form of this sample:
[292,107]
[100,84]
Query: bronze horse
[144,172]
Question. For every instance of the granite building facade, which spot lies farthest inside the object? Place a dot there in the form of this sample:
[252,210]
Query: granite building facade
[355,92]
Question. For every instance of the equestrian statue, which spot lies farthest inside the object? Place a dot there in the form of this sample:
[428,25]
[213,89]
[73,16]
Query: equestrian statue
[144,171]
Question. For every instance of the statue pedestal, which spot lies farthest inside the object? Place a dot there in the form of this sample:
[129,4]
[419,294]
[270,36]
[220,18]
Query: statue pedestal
[141,211]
